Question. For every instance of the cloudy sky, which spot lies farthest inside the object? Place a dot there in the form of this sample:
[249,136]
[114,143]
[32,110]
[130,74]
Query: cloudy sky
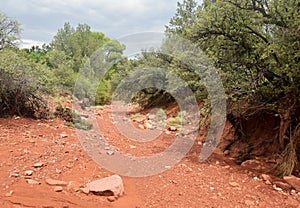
[41,19]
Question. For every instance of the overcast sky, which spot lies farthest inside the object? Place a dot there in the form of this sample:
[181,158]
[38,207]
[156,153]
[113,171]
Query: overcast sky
[41,19]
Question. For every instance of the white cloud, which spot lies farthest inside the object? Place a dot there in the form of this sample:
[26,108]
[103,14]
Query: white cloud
[42,19]
[25,43]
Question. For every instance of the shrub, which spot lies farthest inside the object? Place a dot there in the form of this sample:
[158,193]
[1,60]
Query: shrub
[22,84]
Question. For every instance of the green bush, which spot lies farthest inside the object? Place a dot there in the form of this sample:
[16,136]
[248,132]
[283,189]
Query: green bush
[22,85]
[72,118]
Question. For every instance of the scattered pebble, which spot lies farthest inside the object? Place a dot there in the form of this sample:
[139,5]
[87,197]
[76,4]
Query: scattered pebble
[29,172]
[58,189]
[233,184]
[33,182]
[38,165]
[110,152]
[63,135]
[9,194]
[111,198]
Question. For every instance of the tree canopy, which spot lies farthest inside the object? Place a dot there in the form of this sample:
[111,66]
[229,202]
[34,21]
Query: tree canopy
[256,46]
[9,31]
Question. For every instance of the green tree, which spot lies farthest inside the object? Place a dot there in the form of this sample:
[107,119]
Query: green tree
[23,84]
[78,44]
[9,31]
[256,45]
[184,18]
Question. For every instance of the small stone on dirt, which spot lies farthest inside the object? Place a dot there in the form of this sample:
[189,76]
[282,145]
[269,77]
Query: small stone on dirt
[38,165]
[58,188]
[58,171]
[28,172]
[149,126]
[282,185]
[268,182]
[110,152]
[226,152]
[85,190]
[63,135]
[9,194]
[33,182]
[111,198]
[172,128]
[113,184]
[53,182]
[233,184]
[141,126]
[265,177]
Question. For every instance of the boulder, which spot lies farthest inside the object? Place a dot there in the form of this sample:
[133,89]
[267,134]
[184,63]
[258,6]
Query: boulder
[109,186]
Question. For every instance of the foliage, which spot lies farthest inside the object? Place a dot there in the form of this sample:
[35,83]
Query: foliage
[255,44]
[23,84]
[135,116]
[9,31]
[72,118]
[78,44]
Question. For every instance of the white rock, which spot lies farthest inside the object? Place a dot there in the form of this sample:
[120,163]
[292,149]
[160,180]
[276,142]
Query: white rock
[32,182]
[29,172]
[38,165]
[63,135]
[58,188]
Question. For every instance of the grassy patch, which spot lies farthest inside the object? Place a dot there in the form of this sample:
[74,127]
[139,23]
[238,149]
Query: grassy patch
[137,115]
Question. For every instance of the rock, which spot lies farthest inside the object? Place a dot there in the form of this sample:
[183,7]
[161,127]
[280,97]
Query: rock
[172,128]
[38,165]
[29,172]
[15,175]
[268,182]
[141,126]
[282,185]
[58,188]
[111,198]
[233,184]
[63,135]
[226,152]
[33,182]
[293,181]
[277,188]
[9,194]
[85,190]
[112,185]
[148,125]
[168,132]
[58,171]
[53,182]
[110,152]
[265,177]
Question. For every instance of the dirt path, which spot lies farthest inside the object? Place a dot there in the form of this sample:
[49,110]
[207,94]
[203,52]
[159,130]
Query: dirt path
[56,152]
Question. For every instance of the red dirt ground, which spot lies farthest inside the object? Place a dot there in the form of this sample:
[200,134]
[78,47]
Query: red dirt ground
[218,182]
